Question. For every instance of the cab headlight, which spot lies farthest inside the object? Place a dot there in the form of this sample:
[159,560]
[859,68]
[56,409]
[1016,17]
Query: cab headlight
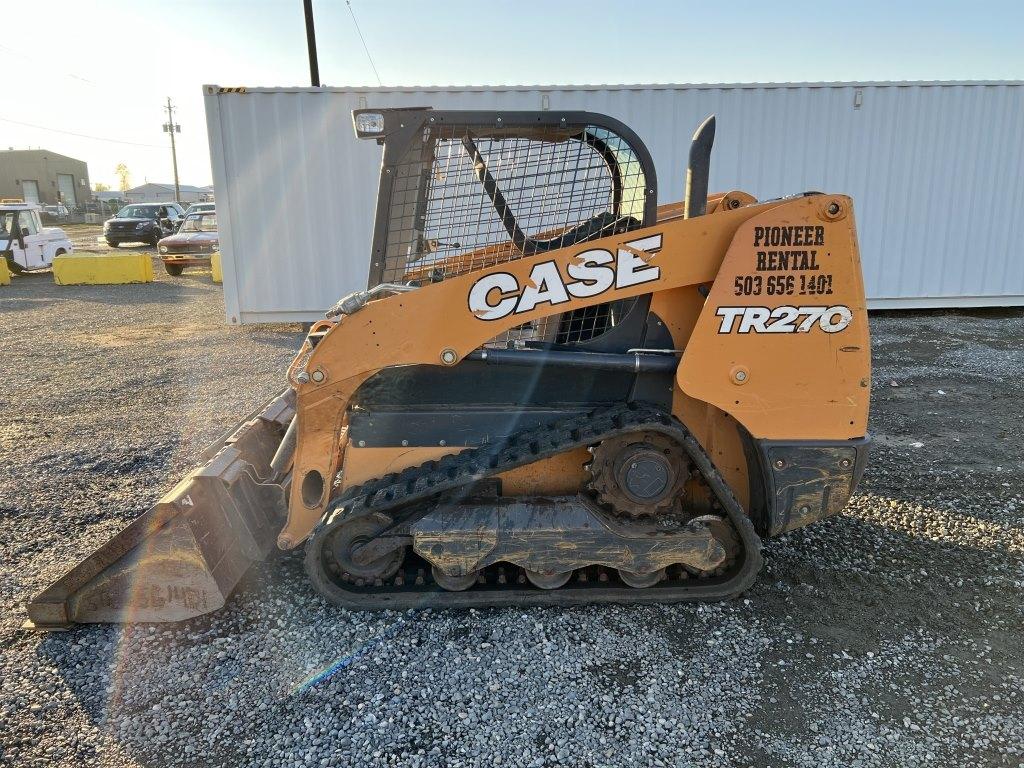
[163,249]
[368,123]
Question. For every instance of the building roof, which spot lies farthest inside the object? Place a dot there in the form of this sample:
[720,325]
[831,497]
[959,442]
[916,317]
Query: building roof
[40,152]
[168,187]
[243,90]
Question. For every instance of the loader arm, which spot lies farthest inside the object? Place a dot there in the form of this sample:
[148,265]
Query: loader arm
[766,381]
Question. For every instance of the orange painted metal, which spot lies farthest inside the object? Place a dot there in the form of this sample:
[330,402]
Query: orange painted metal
[795,386]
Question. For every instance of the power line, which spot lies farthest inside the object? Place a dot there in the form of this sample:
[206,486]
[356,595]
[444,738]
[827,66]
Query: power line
[360,33]
[35,60]
[80,135]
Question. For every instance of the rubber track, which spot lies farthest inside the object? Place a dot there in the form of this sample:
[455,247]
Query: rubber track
[418,484]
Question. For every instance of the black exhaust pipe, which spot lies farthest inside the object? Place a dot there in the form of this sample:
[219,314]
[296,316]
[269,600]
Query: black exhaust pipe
[695,201]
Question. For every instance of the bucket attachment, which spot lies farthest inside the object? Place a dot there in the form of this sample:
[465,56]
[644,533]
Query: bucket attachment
[184,556]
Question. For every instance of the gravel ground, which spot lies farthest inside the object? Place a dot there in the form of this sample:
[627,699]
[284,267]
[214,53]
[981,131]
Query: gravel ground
[888,636]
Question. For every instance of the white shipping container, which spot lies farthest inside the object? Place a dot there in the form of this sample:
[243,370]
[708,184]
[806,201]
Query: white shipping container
[936,171]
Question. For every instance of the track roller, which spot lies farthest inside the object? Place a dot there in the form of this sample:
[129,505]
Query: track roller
[641,580]
[453,583]
[548,580]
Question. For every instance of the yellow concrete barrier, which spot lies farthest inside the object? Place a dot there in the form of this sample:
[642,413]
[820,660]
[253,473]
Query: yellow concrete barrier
[5,273]
[218,276]
[102,269]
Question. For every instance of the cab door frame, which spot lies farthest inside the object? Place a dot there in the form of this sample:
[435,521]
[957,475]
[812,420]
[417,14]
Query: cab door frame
[32,244]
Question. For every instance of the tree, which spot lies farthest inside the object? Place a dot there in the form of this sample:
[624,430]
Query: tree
[124,175]
[99,186]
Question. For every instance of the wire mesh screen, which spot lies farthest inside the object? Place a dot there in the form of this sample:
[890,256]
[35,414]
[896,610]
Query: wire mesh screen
[468,197]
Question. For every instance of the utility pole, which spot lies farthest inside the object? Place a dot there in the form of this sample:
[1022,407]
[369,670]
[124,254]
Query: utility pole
[172,128]
[314,66]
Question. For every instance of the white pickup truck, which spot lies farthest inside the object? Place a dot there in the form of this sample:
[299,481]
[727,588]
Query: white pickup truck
[24,242]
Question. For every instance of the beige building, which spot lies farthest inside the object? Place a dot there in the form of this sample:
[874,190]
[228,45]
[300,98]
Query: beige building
[44,177]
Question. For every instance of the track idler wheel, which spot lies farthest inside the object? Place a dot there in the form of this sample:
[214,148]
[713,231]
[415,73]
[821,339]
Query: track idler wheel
[339,545]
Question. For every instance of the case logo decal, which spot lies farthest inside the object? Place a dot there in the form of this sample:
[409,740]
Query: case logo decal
[785,319]
[590,273]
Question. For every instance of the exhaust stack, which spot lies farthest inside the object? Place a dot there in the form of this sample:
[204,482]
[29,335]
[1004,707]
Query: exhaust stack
[695,201]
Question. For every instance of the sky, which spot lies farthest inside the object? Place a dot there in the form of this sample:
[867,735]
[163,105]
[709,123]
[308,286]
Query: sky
[104,69]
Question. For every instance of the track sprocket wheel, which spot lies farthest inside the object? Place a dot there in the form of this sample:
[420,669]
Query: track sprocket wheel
[640,474]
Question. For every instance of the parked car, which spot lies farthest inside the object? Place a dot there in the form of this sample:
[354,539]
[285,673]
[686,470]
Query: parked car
[198,208]
[57,212]
[201,208]
[142,223]
[192,245]
[25,243]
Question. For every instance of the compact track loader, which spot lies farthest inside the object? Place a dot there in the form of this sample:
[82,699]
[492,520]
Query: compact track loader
[553,391]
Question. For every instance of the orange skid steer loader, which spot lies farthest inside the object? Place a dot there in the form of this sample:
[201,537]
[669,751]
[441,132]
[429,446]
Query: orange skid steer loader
[553,391]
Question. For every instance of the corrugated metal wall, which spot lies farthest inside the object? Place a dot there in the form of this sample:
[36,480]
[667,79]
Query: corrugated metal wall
[936,171]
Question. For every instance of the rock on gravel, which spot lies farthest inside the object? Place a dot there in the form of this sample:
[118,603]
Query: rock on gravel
[888,636]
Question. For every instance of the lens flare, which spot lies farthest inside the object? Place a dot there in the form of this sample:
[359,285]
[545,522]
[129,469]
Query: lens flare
[344,661]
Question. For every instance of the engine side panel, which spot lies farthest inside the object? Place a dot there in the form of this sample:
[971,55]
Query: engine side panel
[782,341]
